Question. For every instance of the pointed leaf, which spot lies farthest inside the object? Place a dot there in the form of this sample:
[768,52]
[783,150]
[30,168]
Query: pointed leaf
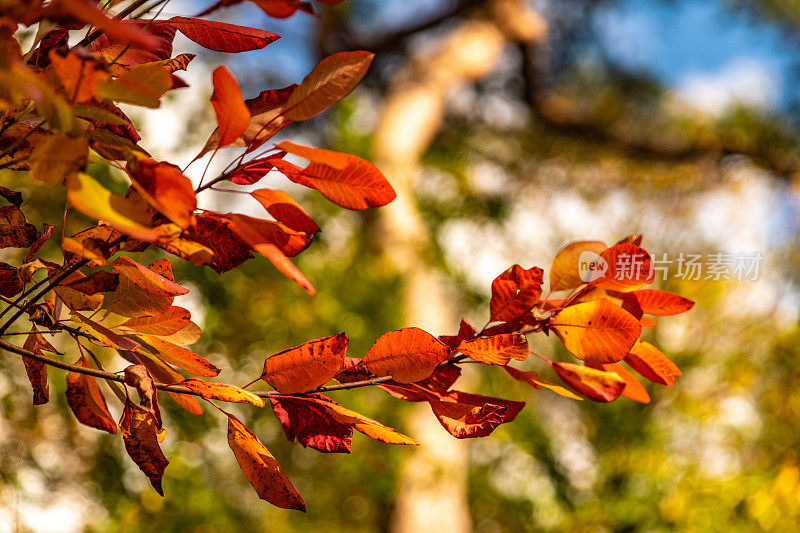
[223,37]
[497,349]
[662,303]
[164,187]
[87,402]
[633,389]
[408,355]
[651,363]
[36,370]
[233,116]
[307,366]
[311,425]
[261,469]
[167,323]
[140,435]
[180,356]
[222,392]
[285,210]
[137,376]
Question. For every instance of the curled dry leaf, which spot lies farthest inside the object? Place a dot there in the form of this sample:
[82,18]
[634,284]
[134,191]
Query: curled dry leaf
[261,469]
[597,331]
[140,435]
[408,355]
[36,370]
[15,230]
[138,377]
[515,292]
[87,402]
[307,366]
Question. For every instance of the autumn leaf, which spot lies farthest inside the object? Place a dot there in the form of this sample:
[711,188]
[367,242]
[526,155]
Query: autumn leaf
[497,349]
[597,331]
[10,283]
[628,267]
[367,426]
[121,53]
[408,355]
[261,469]
[141,85]
[533,379]
[87,402]
[140,435]
[331,80]
[58,156]
[216,232]
[597,385]
[15,230]
[515,292]
[179,356]
[37,245]
[565,271]
[465,332]
[651,363]
[312,426]
[139,378]
[356,185]
[633,389]
[307,366]
[36,370]
[222,392]
[97,202]
[163,373]
[96,282]
[285,210]
[661,303]
[465,421]
[337,160]
[164,187]
[252,171]
[14,197]
[233,116]
[223,37]
[163,324]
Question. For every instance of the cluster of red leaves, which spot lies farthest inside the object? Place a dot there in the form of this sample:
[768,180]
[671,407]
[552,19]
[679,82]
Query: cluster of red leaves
[59,112]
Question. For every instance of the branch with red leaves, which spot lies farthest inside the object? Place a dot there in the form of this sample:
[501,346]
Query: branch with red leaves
[61,110]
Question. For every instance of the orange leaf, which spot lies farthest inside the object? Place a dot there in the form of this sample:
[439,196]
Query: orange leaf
[533,379]
[140,434]
[358,185]
[597,331]
[651,363]
[261,469]
[408,355]
[367,426]
[497,349]
[164,187]
[515,292]
[633,389]
[180,356]
[169,322]
[165,374]
[232,115]
[662,303]
[337,160]
[465,421]
[570,267]
[627,268]
[285,210]
[307,366]
[137,376]
[87,402]
[596,385]
[330,81]
[221,391]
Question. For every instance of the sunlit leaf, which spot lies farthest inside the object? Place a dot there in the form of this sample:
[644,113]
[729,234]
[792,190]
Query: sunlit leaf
[57,157]
[651,363]
[533,379]
[307,366]
[497,349]
[285,210]
[566,270]
[164,187]
[312,426]
[222,392]
[140,435]
[408,355]
[87,402]
[515,292]
[597,385]
[661,303]
[233,116]
[223,37]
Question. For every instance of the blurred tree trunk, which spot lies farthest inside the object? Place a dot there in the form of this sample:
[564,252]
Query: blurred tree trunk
[433,492]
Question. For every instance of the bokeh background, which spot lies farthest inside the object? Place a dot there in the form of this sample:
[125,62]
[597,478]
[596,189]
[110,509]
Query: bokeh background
[509,128]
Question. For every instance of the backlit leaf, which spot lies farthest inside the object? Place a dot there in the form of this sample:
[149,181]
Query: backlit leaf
[633,389]
[497,349]
[261,469]
[164,187]
[408,355]
[307,366]
[596,331]
[179,356]
[597,385]
[15,230]
[533,379]
[515,292]
[566,269]
[312,426]
[223,37]
[137,376]
[651,363]
[661,303]
[330,81]
[57,157]
[169,322]
[233,116]
[87,402]
[627,268]
[142,85]
[222,392]
[285,210]
[36,370]
[140,435]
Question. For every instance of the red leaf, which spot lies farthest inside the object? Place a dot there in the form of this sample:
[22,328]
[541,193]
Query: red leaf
[36,370]
[123,54]
[515,292]
[307,366]
[466,415]
[252,171]
[179,356]
[10,284]
[627,268]
[633,389]
[497,349]
[222,391]
[651,363]
[87,402]
[100,281]
[408,355]
[36,246]
[596,385]
[285,210]
[358,185]
[662,303]
[533,379]
[139,432]
[233,116]
[137,376]
[261,469]
[216,232]
[465,332]
[223,37]
[167,323]
[13,197]
[311,425]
